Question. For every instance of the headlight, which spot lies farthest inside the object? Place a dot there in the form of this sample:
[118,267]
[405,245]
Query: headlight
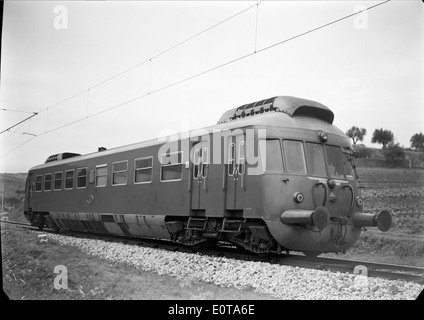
[298,197]
[359,201]
[331,183]
[323,136]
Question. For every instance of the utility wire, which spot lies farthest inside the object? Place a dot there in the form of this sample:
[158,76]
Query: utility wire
[153,57]
[201,73]
[213,68]
[14,110]
[26,119]
[134,66]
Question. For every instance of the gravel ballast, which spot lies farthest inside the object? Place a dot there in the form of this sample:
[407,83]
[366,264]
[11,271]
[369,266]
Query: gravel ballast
[283,282]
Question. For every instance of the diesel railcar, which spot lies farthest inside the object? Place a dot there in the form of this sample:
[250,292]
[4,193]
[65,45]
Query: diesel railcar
[274,175]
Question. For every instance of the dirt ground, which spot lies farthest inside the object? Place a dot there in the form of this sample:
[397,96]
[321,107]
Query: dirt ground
[28,274]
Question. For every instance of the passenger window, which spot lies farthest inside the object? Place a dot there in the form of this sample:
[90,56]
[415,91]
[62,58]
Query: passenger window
[58,181]
[143,170]
[38,183]
[119,173]
[315,158]
[69,179]
[81,177]
[172,168]
[48,182]
[334,161]
[294,156]
[101,175]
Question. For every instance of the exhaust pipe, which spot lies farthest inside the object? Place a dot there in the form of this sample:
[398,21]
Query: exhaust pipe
[382,220]
[320,217]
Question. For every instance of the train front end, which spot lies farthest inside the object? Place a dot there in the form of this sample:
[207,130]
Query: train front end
[312,199]
[322,203]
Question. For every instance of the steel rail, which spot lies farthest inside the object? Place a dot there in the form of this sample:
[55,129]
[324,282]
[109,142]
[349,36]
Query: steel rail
[228,250]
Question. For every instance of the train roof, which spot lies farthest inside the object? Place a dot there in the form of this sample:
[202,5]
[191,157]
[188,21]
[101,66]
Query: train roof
[288,112]
[290,105]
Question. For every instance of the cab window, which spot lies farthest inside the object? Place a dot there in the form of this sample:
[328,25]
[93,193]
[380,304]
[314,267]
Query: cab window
[315,159]
[348,163]
[294,156]
[334,161]
[271,156]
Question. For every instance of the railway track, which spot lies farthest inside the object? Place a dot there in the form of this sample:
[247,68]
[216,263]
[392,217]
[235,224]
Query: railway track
[381,270]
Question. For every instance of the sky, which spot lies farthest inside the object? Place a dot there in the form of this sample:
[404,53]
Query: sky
[57,56]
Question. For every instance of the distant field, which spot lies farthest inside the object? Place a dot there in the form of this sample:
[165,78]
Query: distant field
[12,182]
[401,192]
[378,178]
[14,193]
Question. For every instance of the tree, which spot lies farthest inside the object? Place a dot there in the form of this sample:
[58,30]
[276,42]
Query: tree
[417,142]
[394,151]
[356,134]
[383,137]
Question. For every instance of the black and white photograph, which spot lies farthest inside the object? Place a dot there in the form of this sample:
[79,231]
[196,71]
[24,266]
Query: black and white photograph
[212,157]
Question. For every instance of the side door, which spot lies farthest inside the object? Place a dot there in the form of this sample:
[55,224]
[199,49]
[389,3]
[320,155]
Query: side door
[29,191]
[236,173]
[200,175]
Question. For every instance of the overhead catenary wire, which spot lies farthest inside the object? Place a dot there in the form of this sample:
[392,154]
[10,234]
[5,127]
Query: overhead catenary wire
[14,110]
[133,67]
[193,76]
[213,68]
[16,124]
[149,60]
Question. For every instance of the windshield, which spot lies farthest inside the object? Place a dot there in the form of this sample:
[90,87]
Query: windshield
[315,159]
[348,163]
[334,162]
[295,158]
